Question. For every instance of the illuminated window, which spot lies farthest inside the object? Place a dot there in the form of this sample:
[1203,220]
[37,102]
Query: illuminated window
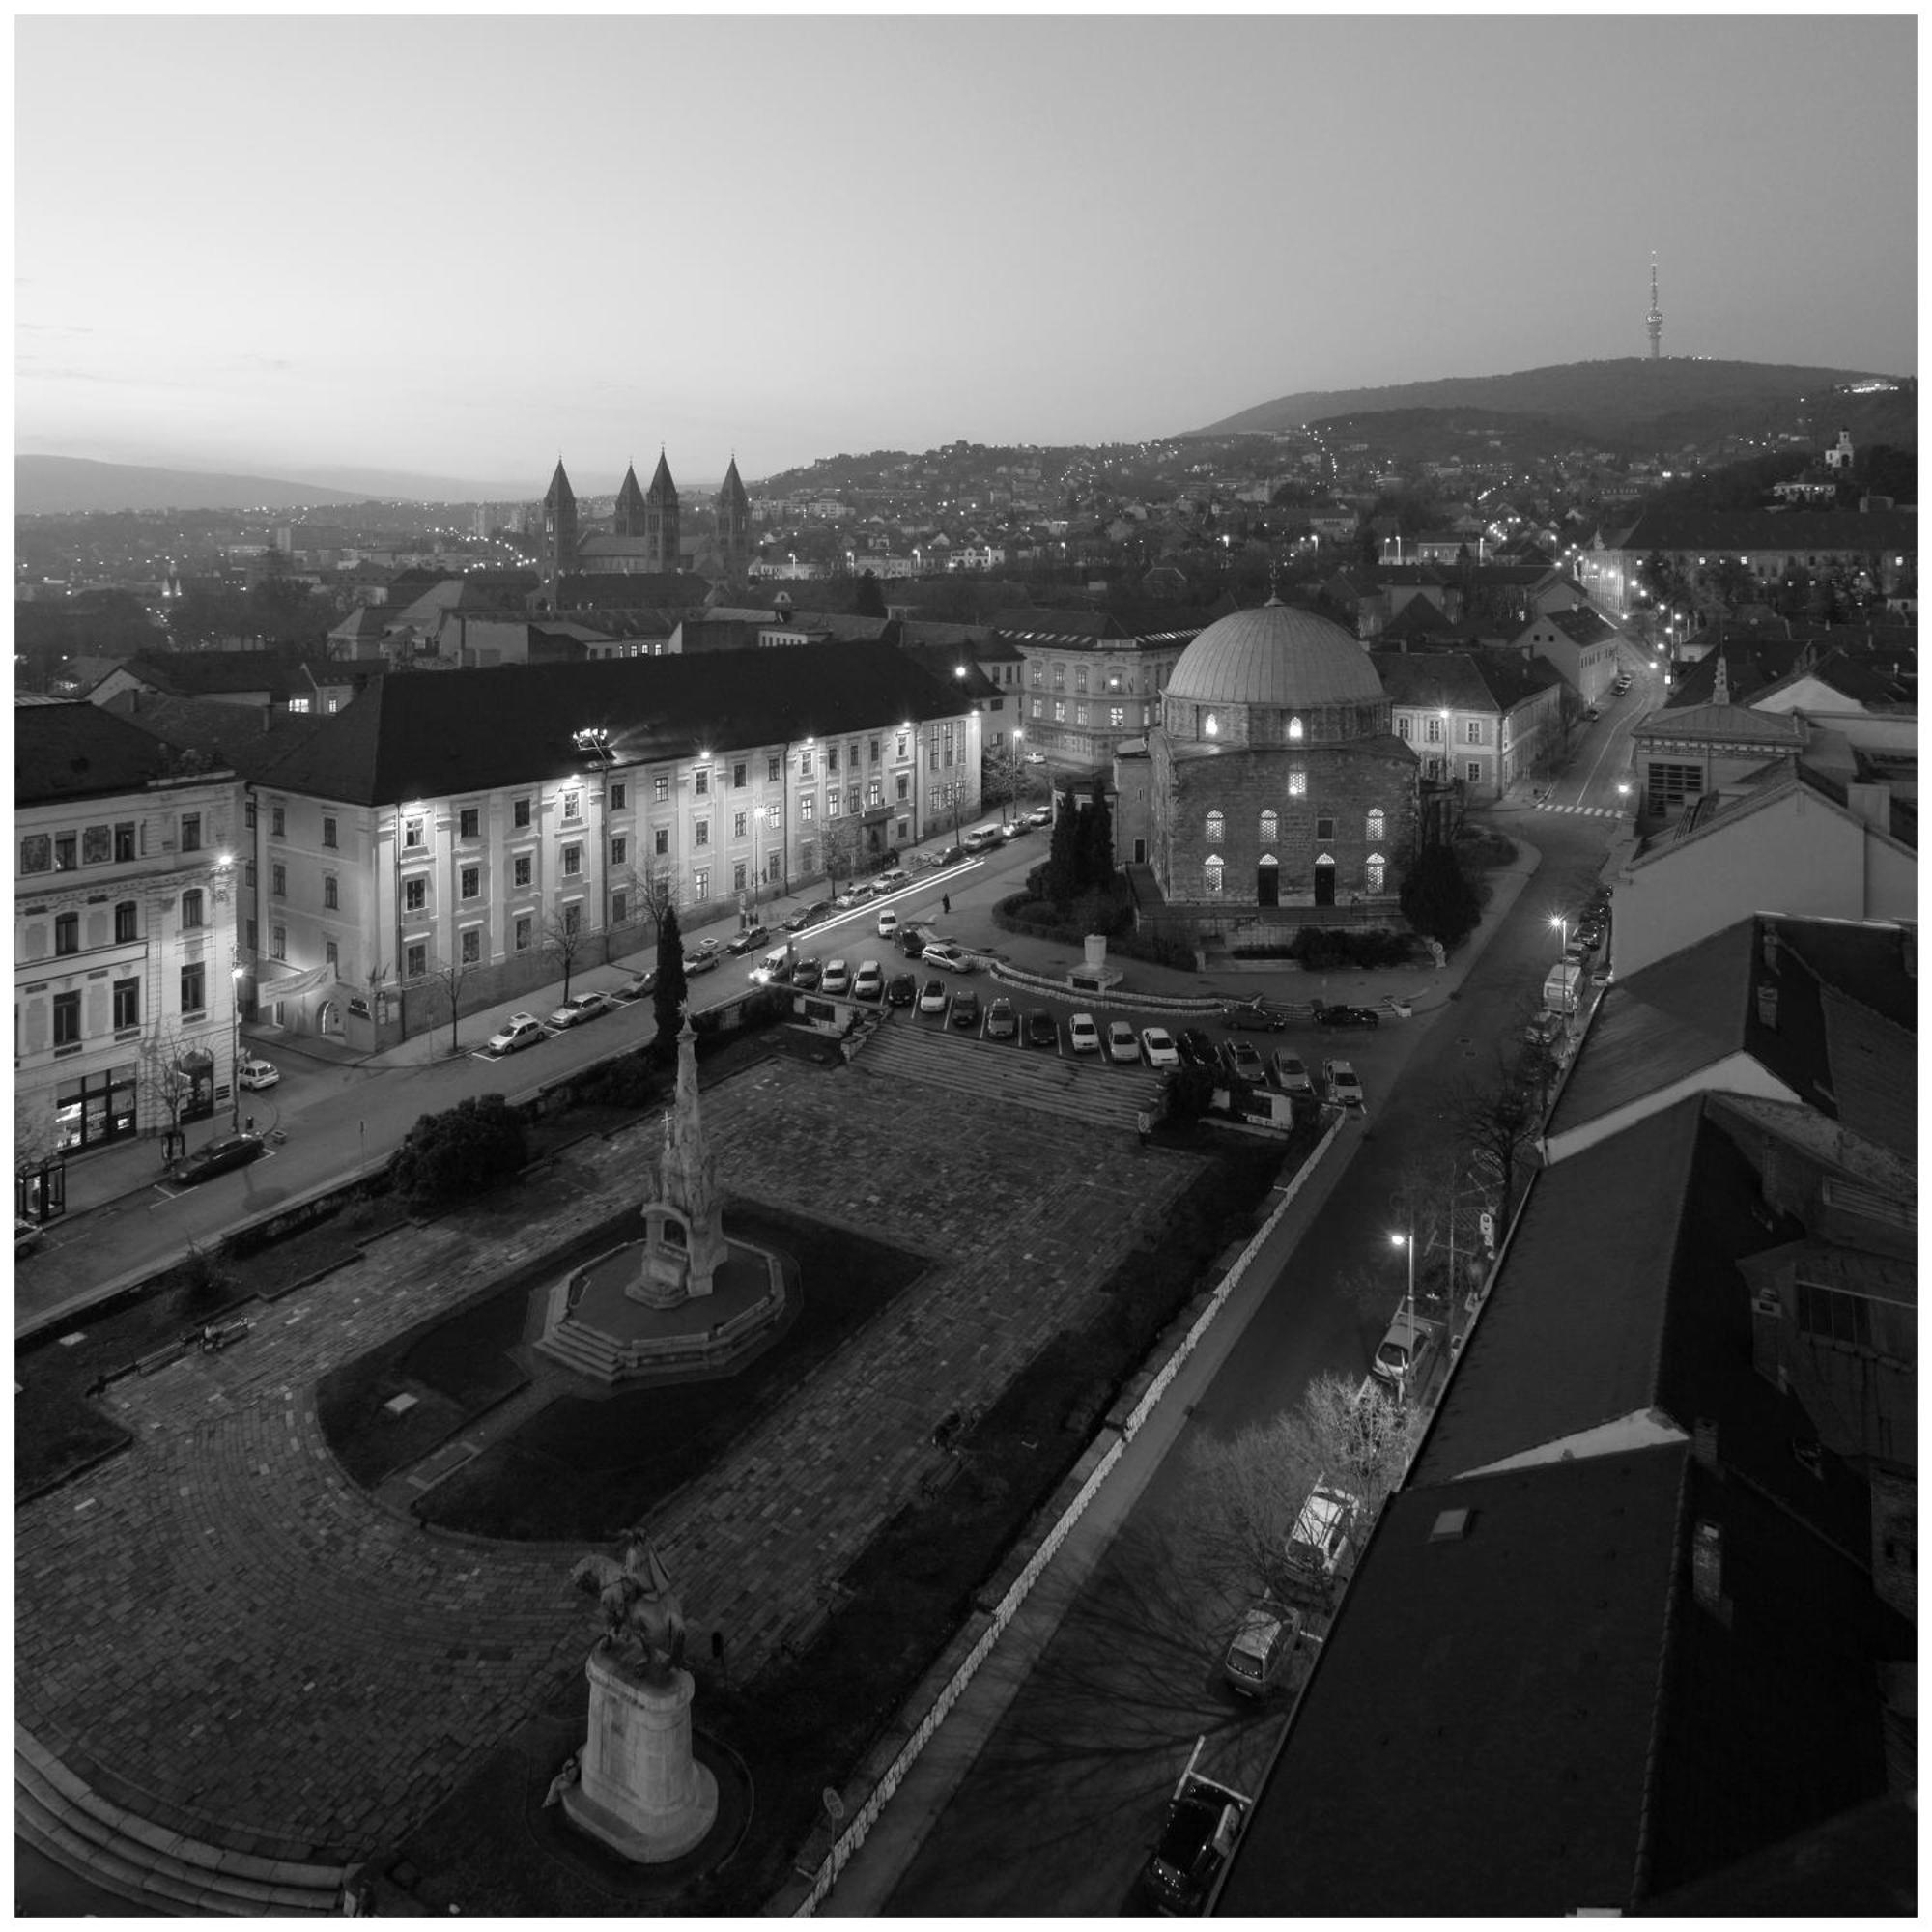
[1297,783]
[1210,725]
[1375,822]
[1375,872]
[1210,877]
[1217,828]
[1295,730]
[1270,828]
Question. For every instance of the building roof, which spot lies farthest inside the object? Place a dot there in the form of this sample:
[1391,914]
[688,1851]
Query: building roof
[731,491]
[1738,530]
[64,752]
[559,492]
[1723,725]
[1581,625]
[1278,656]
[662,490]
[629,506]
[412,736]
[202,673]
[1488,681]
[246,739]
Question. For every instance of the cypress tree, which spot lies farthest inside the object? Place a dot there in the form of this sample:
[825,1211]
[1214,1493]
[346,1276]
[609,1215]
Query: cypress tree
[1063,857]
[668,996]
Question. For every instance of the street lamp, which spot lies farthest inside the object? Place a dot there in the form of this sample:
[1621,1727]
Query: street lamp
[1408,1241]
[234,1049]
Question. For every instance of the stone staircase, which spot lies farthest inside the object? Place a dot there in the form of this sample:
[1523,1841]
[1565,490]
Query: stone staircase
[1091,1090]
[150,1863]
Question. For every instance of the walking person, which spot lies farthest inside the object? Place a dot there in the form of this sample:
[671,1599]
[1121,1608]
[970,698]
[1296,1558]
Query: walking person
[946,904]
[1143,1125]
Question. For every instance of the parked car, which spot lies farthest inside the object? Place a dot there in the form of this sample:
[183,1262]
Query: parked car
[806,975]
[578,1008]
[255,1074]
[1123,1049]
[890,879]
[1339,1082]
[809,915]
[943,953]
[900,991]
[966,1009]
[1040,814]
[702,959]
[932,997]
[889,923]
[518,1030]
[1002,1022]
[868,983]
[220,1156]
[856,894]
[26,1236]
[641,985]
[1253,1017]
[1082,1034]
[1402,1356]
[1197,1049]
[1347,1016]
[1545,1030]
[1258,1654]
[1204,1823]
[1322,1544]
[1041,1027]
[1016,828]
[837,978]
[1158,1047]
[749,941]
[1243,1063]
[910,941]
[981,838]
[1290,1072]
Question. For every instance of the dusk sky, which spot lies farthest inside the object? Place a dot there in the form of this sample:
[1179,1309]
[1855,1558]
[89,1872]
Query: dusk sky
[462,245]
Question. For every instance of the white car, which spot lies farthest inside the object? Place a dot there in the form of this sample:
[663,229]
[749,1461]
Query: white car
[891,878]
[889,923]
[1402,1356]
[1158,1047]
[837,978]
[518,1030]
[932,997]
[949,957]
[578,1008]
[255,1074]
[1339,1078]
[1122,1045]
[1082,1034]
[1291,1073]
[868,983]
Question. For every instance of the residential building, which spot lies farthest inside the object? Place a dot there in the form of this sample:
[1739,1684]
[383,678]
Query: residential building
[1580,645]
[125,935]
[276,681]
[1092,683]
[477,826]
[1479,719]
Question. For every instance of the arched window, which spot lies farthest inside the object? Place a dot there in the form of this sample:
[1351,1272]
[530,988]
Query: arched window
[1377,873]
[1211,877]
[1375,822]
[1217,828]
[1297,782]
[191,910]
[1210,725]
[1270,828]
[1295,730]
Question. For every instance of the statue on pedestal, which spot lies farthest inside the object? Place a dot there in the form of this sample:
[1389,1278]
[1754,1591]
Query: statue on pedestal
[643,1619]
[684,1243]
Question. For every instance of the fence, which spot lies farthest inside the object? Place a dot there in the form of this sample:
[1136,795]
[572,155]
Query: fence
[820,1874]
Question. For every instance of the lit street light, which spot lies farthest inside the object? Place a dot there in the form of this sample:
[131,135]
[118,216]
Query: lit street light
[234,1049]
[1408,1241]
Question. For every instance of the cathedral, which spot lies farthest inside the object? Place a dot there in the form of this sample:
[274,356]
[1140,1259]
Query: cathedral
[644,536]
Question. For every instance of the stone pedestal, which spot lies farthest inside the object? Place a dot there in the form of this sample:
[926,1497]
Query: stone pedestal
[639,1790]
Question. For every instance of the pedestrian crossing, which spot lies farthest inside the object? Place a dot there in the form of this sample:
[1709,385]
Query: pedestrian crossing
[1584,810]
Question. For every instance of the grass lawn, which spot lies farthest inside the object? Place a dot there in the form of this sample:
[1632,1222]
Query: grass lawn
[584,1463]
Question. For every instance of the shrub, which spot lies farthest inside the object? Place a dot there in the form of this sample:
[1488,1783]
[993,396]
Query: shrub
[465,1151]
[1437,898]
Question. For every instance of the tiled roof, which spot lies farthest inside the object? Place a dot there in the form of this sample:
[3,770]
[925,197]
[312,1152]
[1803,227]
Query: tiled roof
[245,738]
[79,751]
[1723,725]
[413,735]
[1581,626]
[197,674]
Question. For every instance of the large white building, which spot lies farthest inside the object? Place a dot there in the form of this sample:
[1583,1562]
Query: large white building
[126,879]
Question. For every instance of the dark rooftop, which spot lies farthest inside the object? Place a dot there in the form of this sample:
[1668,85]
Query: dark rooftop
[79,751]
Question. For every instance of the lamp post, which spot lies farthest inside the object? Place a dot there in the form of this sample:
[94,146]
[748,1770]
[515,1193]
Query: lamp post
[235,1049]
[1408,1241]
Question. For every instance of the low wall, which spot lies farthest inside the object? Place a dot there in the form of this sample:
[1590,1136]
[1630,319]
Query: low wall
[883,1770]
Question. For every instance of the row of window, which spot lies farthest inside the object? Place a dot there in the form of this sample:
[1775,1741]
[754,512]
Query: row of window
[115,844]
[1432,729]
[1110,680]
[1116,714]
[127,1005]
[1375,826]
[1213,872]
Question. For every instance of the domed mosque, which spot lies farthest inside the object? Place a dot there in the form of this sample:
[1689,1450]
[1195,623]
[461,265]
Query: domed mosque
[1274,778]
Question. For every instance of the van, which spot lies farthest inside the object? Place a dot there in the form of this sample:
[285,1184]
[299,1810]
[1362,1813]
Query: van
[771,970]
[1563,987]
[981,838]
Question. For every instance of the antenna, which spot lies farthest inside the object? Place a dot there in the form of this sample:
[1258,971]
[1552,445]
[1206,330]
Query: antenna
[1654,322]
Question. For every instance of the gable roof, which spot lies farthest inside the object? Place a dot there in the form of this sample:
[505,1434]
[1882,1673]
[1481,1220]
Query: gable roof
[412,736]
[201,673]
[64,752]
[246,739]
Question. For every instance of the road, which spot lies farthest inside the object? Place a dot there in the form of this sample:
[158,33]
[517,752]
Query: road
[1062,1806]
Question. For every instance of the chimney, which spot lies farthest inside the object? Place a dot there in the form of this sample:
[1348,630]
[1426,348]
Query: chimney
[1871,803]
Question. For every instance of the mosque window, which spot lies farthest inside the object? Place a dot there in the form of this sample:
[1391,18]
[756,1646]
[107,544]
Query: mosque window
[1376,873]
[1270,828]
[1217,828]
[1375,824]
[1297,782]
[1210,876]
[1210,725]
[1295,730]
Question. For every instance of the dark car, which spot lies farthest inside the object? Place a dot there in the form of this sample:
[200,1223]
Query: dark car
[752,935]
[1197,1049]
[966,1009]
[810,916]
[639,986]
[910,941]
[231,1151]
[1347,1016]
[1204,1820]
[1041,1029]
[805,976]
[1253,1018]
[900,990]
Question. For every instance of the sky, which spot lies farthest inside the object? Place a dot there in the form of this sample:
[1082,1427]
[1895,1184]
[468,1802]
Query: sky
[469,244]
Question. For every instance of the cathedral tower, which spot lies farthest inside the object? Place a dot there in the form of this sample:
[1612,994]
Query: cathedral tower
[735,526]
[559,554]
[629,522]
[660,530]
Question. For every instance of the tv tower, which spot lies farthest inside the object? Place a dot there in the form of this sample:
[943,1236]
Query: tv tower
[1654,322]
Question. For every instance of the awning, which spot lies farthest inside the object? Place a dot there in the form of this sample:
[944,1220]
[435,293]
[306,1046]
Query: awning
[280,980]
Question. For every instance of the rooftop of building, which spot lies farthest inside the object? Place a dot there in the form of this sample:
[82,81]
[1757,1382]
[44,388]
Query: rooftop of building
[1735,531]
[74,752]
[279,674]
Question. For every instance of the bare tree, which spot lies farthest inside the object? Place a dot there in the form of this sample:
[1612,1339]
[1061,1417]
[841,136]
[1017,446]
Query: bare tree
[1003,775]
[563,938]
[844,843]
[169,1084]
[449,976]
[1250,1488]
[1497,1124]
[36,1131]
[655,888]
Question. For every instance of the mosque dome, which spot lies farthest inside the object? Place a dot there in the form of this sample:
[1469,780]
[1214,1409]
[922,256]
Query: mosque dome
[1277,658]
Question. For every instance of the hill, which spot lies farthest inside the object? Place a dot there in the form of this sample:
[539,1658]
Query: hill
[74,486]
[1630,401]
